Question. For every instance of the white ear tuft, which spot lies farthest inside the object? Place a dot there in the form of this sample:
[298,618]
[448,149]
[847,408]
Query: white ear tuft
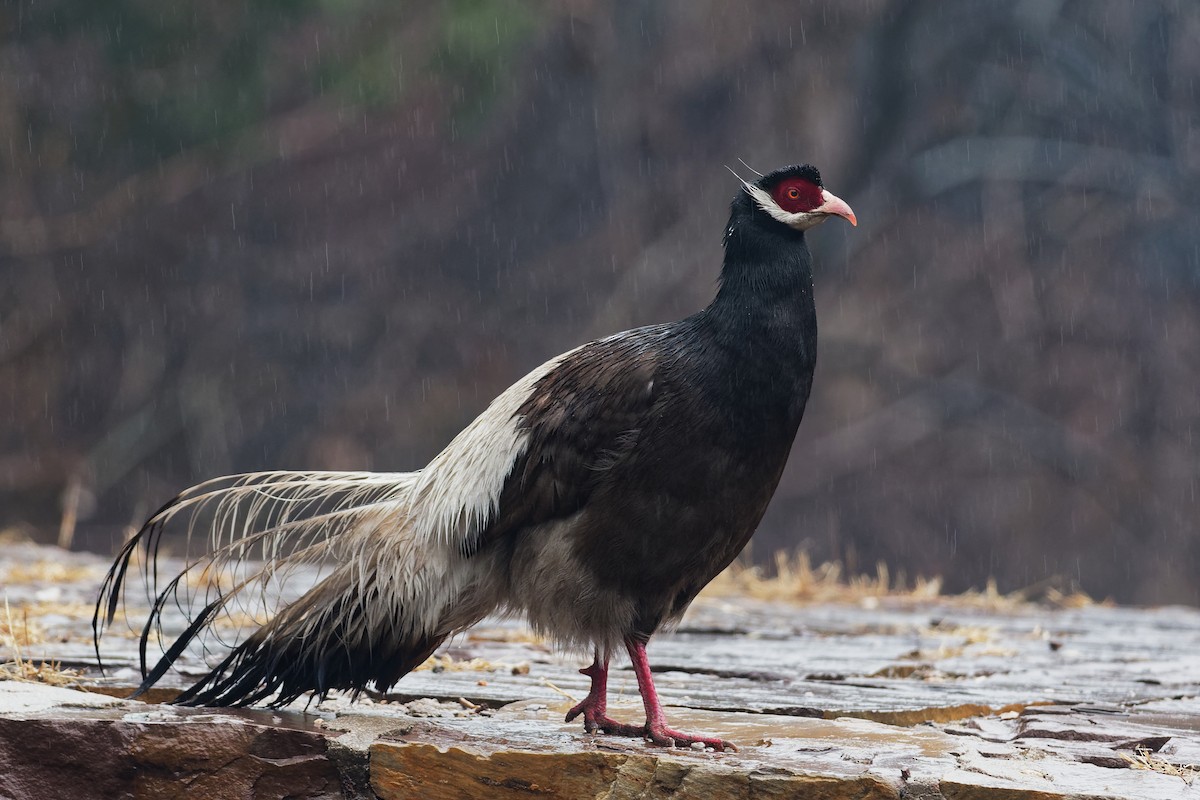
[768,204]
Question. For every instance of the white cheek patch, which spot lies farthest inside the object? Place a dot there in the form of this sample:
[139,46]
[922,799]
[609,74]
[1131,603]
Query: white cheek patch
[800,220]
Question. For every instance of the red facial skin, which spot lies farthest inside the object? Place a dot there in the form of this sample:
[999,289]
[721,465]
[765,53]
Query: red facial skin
[795,195]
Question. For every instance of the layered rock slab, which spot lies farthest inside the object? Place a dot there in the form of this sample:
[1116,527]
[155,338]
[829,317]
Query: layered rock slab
[888,697]
[58,743]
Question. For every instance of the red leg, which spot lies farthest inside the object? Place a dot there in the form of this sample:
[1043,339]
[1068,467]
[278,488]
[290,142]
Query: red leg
[594,707]
[656,729]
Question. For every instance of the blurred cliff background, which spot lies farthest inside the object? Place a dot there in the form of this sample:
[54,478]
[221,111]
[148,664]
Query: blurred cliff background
[323,234]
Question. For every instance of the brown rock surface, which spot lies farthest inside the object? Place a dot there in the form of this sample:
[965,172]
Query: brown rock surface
[433,762]
[58,753]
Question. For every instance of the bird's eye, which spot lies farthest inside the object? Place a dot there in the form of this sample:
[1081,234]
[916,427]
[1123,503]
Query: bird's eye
[796,196]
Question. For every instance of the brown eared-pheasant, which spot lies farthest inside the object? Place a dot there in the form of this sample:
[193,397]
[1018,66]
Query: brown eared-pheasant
[596,496]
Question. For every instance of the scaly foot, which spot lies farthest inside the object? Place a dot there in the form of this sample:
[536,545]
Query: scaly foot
[656,730]
[594,707]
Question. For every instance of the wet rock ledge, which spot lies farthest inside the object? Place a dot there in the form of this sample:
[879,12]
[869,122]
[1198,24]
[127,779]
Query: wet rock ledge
[893,697]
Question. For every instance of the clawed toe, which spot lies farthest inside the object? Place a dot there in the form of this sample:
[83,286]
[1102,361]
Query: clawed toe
[661,736]
[600,723]
[576,711]
[614,728]
[666,737]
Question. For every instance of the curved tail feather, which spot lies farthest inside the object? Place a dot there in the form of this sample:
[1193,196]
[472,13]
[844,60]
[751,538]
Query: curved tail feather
[378,598]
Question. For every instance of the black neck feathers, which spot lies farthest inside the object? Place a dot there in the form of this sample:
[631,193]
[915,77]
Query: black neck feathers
[760,332]
[767,279]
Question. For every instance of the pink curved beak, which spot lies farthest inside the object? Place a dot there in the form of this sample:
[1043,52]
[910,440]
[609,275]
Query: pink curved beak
[835,205]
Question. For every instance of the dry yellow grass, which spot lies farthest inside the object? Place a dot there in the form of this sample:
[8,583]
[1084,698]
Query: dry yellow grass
[49,572]
[795,579]
[447,663]
[1144,759]
[26,624]
[17,631]
[47,672]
